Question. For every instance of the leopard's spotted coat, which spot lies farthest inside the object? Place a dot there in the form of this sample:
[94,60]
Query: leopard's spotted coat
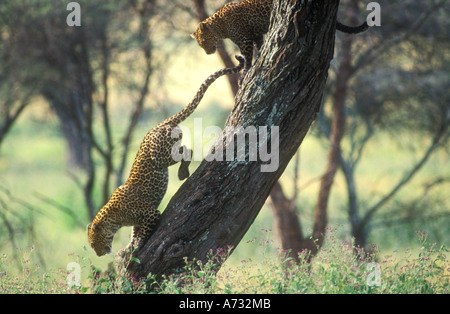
[245,23]
[136,202]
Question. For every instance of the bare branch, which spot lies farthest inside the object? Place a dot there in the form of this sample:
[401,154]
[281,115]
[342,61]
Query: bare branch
[374,53]
[406,178]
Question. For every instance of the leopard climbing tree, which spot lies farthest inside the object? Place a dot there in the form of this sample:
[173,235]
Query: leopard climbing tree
[217,204]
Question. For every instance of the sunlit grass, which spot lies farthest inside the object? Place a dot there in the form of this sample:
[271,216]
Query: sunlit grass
[336,269]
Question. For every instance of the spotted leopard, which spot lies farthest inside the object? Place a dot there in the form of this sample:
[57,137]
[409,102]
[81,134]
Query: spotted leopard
[136,202]
[245,23]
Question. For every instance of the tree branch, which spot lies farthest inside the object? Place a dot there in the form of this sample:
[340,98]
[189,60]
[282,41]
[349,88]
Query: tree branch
[146,33]
[374,53]
[406,178]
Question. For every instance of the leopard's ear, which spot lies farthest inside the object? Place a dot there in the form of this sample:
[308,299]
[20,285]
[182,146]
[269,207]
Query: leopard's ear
[193,35]
[204,26]
[92,226]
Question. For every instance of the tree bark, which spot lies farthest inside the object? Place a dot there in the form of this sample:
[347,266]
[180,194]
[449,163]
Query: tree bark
[287,224]
[215,207]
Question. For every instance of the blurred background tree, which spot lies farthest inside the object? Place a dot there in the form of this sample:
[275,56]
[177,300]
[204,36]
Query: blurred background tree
[73,69]
[79,73]
[390,79]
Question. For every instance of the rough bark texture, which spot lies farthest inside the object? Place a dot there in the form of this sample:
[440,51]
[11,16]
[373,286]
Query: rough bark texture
[215,207]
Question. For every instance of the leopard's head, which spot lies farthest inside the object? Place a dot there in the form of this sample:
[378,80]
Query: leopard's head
[205,37]
[99,239]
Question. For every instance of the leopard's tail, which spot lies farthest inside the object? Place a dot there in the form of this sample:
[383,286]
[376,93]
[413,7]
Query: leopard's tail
[351,29]
[189,109]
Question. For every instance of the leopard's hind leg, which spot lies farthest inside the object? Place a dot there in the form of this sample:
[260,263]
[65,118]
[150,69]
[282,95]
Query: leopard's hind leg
[183,171]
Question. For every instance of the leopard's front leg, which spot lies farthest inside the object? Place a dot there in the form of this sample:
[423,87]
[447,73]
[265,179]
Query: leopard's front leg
[140,233]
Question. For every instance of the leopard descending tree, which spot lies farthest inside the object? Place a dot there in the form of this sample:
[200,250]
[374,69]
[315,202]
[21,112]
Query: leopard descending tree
[215,207]
[245,23]
[135,203]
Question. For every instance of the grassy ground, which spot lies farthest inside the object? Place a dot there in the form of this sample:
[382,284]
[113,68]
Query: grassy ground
[334,270]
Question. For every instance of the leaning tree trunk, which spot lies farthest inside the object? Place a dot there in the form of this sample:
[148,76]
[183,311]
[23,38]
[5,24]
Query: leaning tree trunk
[215,207]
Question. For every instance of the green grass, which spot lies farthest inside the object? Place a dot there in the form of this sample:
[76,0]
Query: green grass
[335,270]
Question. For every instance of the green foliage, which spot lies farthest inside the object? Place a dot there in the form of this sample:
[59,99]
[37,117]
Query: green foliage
[427,273]
[30,279]
[338,268]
